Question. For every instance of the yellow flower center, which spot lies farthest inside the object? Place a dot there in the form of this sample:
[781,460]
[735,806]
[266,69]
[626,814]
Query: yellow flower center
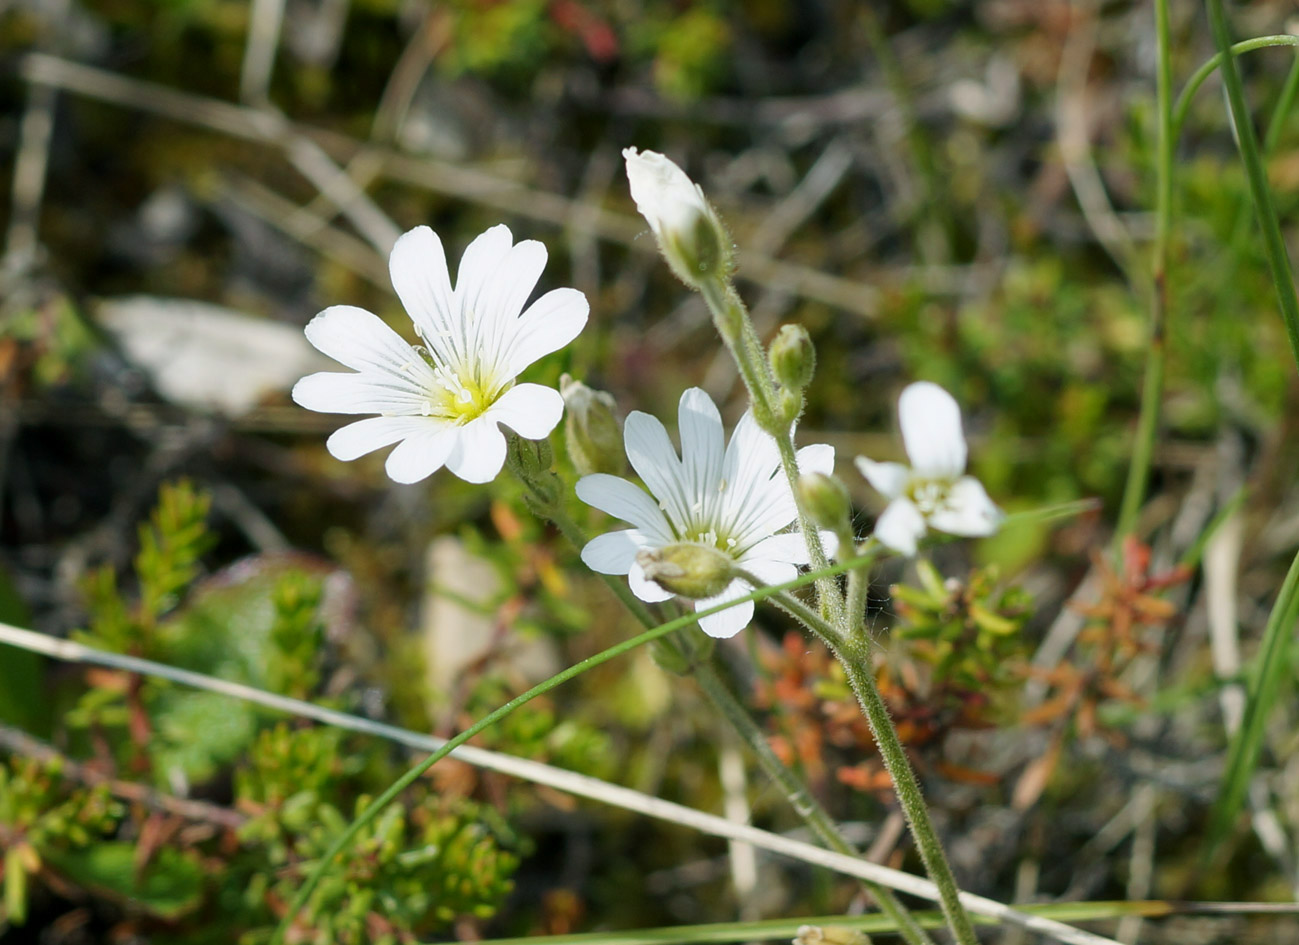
[459,398]
[929,495]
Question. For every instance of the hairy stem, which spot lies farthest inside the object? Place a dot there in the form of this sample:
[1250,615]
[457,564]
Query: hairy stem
[854,655]
[737,331]
[793,787]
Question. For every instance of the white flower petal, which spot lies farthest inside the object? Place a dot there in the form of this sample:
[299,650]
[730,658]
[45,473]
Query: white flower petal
[789,547]
[360,340]
[817,458]
[418,267]
[729,622]
[366,436]
[494,321]
[900,526]
[931,428]
[624,500]
[419,456]
[328,392]
[614,552]
[968,510]
[750,472]
[651,454]
[549,324]
[478,267]
[770,572]
[479,451]
[702,450]
[530,410]
[888,479]
[644,588]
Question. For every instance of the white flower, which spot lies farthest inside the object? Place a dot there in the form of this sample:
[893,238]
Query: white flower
[933,491]
[692,238]
[733,498]
[442,402]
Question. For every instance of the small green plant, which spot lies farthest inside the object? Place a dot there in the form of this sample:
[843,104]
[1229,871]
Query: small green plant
[43,815]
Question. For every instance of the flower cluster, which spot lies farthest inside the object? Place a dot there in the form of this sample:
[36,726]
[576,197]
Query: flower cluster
[717,518]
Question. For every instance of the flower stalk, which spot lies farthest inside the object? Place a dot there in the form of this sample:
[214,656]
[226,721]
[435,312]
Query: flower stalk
[741,339]
[854,655]
[777,415]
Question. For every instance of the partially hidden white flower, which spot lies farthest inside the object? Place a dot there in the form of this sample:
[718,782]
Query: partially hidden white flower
[443,402]
[729,496]
[933,492]
[688,231]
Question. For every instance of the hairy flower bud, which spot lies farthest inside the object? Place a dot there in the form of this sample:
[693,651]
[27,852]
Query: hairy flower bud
[793,357]
[826,500]
[591,429]
[688,569]
[689,232]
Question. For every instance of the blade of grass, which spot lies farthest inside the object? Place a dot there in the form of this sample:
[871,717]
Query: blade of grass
[1260,192]
[788,928]
[1198,77]
[1152,389]
[1264,681]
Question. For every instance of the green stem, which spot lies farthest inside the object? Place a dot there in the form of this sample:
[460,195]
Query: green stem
[1197,78]
[804,804]
[1260,192]
[859,583]
[737,331]
[854,656]
[1134,492]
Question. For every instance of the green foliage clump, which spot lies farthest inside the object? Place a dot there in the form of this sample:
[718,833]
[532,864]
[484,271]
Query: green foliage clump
[296,636]
[42,815]
[171,546]
[411,871]
[967,632]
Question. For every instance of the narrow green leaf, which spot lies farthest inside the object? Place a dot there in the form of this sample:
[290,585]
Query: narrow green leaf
[788,928]
[1264,681]
[1261,193]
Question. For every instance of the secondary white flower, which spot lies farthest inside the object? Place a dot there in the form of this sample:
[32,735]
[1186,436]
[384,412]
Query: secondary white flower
[732,497]
[442,402]
[933,492]
[688,231]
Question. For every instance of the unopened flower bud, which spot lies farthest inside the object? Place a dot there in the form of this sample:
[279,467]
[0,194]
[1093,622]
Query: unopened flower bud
[793,357]
[689,232]
[688,569]
[826,500]
[591,429]
[532,460]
